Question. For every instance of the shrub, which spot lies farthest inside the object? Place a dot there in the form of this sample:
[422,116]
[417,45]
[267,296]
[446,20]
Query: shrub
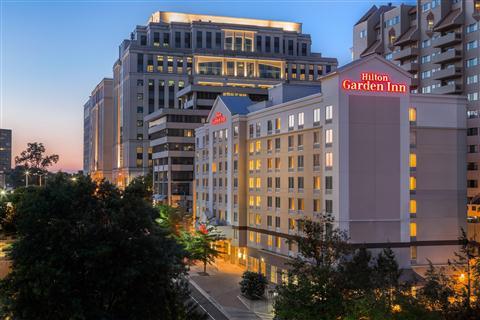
[253,285]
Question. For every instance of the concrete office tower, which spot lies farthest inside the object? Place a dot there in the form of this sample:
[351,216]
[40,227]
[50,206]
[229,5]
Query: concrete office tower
[5,154]
[386,164]
[437,41]
[169,74]
[98,132]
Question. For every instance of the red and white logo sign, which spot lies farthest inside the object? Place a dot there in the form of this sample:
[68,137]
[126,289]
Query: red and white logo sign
[218,118]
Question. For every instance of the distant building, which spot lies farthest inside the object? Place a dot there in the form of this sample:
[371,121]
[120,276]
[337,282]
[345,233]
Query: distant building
[98,132]
[170,72]
[365,151]
[438,42]
[5,154]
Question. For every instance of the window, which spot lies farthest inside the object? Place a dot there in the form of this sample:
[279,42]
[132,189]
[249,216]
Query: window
[199,39]
[300,162]
[413,206]
[472,27]
[472,79]
[290,142]
[300,204]
[277,203]
[277,182]
[328,206]
[316,183]
[413,183]
[426,43]
[328,136]
[291,204]
[316,115]
[301,119]
[426,59]
[472,45]
[291,121]
[413,229]
[363,34]
[300,183]
[413,253]
[328,113]
[413,160]
[316,160]
[278,124]
[328,159]
[277,143]
[290,162]
[412,114]
[277,163]
[300,141]
[472,62]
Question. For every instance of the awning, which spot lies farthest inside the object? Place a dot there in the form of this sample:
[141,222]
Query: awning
[410,35]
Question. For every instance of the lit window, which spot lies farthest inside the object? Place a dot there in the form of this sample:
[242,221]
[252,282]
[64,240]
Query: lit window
[413,253]
[258,183]
[251,183]
[316,115]
[258,146]
[258,201]
[270,241]
[413,183]
[412,114]
[251,165]
[291,121]
[329,159]
[291,204]
[258,164]
[301,119]
[259,237]
[278,124]
[413,206]
[316,183]
[258,219]
[413,229]
[329,136]
[214,167]
[413,160]
[251,236]
[328,113]
[251,201]
[235,148]
[251,147]
[278,243]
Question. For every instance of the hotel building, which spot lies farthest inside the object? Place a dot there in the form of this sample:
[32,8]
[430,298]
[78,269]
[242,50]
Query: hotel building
[98,132]
[438,42]
[386,164]
[169,73]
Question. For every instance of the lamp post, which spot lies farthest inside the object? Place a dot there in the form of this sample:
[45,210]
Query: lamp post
[27,173]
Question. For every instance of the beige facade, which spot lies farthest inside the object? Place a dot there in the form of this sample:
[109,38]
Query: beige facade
[438,42]
[98,132]
[388,166]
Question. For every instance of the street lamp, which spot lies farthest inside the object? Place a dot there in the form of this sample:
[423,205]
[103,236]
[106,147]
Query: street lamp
[74,179]
[3,192]
[27,173]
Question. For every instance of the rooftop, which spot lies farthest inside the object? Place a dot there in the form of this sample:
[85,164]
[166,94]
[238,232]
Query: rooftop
[168,17]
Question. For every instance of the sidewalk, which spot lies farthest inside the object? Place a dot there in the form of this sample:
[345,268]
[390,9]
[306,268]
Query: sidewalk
[222,287]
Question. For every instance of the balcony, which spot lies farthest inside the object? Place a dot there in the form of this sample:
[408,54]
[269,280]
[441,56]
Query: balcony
[447,73]
[447,40]
[410,66]
[447,56]
[448,89]
[405,53]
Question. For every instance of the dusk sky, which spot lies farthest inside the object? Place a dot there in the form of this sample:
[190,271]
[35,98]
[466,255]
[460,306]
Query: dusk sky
[53,53]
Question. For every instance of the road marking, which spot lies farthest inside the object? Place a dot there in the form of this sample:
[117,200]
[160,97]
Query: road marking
[198,303]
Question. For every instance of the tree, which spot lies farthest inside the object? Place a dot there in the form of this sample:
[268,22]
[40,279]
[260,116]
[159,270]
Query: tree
[253,285]
[203,244]
[35,160]
[88,251]
[437,290]
[175,219]
[387,275]
[312,290]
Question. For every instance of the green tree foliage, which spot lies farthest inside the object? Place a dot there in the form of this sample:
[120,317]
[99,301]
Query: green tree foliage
[330,280]
[203,244]
[312,291]
[88,251]
[175,219]
[253,285]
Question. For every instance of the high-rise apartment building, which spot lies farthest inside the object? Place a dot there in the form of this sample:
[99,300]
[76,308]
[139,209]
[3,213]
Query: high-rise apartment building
[386,164]
[438,42]
[169,73]
[98,132]
[5,154]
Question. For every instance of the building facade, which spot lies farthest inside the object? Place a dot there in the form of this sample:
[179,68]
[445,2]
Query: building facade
[98,132]
[169,73]
[387,165]
[5,154]
[437,42]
